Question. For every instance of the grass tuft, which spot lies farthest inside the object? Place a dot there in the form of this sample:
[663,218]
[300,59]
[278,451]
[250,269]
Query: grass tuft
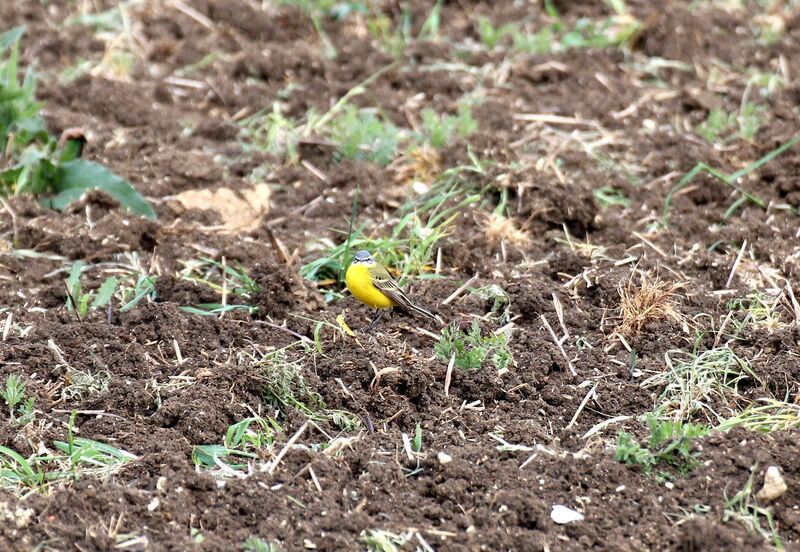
[693,382]
[653,300]
[285,387]
[730,180]
[766,415]
[744,509]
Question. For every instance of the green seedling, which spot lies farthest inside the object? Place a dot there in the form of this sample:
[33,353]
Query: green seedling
[74,459]
[744,509]
[361,134]
[144,288]
[499,298]
[85,384]
[720,124]
[110,20]
[749,120]
[763,310]
[394,41]
[378,540]
[438,130]
[246,440]
[490,35]
[414,449]
[230,282]
[540,42]
[36,164]
[669,445]
[196,535]
[271,131]
[80,301]
[716,125]
[86,457]
[615,31]
[416,444]
[20,409]
[256,544]
[430,29]
[472,349]
[609,196]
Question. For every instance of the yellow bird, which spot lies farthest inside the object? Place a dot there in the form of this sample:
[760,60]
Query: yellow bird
[370,283]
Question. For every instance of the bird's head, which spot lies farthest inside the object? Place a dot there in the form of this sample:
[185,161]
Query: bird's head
[363,257]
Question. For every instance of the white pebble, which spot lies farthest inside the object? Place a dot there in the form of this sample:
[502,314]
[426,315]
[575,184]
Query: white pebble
[774,485]
[563,515]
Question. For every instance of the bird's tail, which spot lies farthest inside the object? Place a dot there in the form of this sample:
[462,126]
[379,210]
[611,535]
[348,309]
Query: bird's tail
[414,309]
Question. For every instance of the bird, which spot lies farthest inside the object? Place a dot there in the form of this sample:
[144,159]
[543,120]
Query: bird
[370,283]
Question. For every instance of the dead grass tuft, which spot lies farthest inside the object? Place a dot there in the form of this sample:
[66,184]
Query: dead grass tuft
[498,228]
[649,301]
[420,165]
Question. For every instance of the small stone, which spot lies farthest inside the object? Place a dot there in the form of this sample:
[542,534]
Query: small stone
[23,516]
[563,515]
[153,504]
[774,485]
[444,458]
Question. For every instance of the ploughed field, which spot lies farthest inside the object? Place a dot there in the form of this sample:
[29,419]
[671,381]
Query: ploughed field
[598,198]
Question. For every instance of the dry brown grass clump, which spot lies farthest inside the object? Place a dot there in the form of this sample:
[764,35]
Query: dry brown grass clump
[652,300]
[420,165]
[498,228]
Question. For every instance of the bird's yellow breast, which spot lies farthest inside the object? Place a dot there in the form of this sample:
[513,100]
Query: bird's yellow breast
[359,281]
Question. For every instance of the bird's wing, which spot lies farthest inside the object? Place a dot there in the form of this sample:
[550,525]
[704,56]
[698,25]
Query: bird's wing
[384,282]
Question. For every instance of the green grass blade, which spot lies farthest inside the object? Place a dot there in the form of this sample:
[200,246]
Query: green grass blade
[105,293]
[728,179]
[11,36]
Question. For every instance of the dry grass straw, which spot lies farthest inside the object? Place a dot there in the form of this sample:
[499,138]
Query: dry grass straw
[652,300]
[419,165]
[499,229]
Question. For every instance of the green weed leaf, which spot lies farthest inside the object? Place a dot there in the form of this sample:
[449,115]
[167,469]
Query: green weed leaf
[78,176]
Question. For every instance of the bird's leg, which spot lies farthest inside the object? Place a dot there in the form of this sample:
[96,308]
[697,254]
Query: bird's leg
[375,320]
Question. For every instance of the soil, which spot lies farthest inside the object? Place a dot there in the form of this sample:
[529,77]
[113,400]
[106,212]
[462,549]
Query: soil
[177,379]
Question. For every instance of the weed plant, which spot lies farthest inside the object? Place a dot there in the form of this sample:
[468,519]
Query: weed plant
[20,409]
[81,301]
[669,445]
[472,349]
[31,161]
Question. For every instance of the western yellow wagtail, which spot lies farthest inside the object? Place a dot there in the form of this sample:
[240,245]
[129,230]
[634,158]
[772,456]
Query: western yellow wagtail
[370,283]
